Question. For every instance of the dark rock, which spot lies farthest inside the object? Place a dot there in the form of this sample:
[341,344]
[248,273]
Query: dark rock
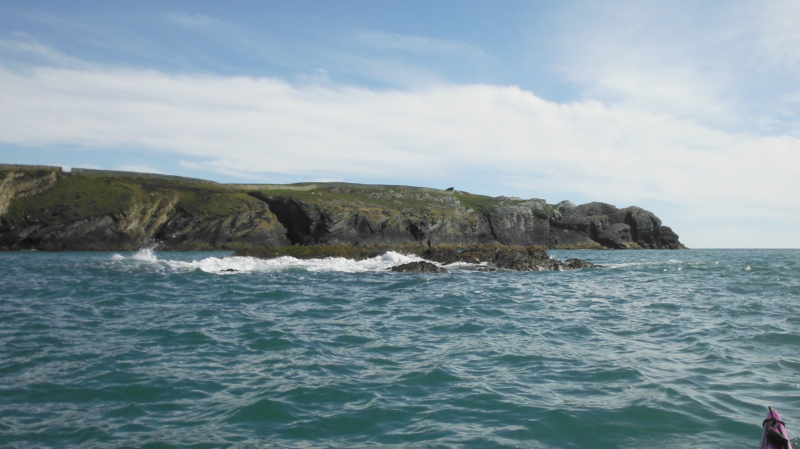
[520,224]
[252,225]
[565,205]
[516,258]
[667,239]
[418,267]
[574,264]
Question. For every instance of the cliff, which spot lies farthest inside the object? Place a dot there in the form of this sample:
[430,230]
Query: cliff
[366,215]
[100,212]
[47,209]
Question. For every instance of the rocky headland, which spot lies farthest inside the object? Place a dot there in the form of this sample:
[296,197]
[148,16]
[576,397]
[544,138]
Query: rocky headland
[45,208]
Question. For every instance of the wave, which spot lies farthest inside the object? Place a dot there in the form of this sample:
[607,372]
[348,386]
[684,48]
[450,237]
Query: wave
[233,265]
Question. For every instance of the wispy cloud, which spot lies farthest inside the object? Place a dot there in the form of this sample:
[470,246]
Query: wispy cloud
[193,20]
[414,44]
[26,51]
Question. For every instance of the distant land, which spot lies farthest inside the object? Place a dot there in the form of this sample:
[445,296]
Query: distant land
[46,208]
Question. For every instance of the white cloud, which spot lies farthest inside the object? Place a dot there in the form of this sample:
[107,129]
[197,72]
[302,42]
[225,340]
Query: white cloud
[728,65]
[29,50]
[778,31]
[502,135]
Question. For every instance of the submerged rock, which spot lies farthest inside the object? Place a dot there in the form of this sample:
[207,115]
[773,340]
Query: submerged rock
[418,267]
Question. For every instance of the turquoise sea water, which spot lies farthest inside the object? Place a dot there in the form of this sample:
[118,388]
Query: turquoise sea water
[667,349]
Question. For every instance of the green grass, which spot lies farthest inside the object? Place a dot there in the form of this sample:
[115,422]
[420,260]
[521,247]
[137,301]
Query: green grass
[480,203]
[74,198]
[360,198]
[78,197]
[212,204]
[81,196]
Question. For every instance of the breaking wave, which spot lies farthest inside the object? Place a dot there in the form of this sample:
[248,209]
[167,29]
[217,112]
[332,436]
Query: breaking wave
[232,265]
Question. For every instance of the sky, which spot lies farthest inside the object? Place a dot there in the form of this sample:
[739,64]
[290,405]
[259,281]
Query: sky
[688,109]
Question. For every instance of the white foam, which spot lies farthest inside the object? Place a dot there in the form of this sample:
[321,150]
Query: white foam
[231,265]
[145,255]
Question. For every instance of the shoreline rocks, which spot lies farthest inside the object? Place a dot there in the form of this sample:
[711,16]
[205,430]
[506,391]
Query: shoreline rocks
[490,257]
[418,267]
[503,257]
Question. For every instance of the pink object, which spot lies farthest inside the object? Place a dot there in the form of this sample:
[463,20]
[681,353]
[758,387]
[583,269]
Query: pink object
[774,436]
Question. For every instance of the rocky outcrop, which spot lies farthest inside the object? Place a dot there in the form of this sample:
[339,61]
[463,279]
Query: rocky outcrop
[131,228]
[526,223]
[43,208]
[418,267]
[603,225]
[480,257]
[504,257]
[354,219]
[366,218]
[252,225]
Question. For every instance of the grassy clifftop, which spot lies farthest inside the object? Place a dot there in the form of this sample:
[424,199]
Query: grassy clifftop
[79,197]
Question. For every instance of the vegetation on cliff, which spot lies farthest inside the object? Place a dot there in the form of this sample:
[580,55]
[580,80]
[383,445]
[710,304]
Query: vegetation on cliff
[45,208]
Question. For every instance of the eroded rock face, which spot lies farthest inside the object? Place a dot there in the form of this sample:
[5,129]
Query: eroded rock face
[254,225]
[81,216]
[511,222]
[129,229]
[521,224]
[359,222]
[418,267]
[21,184]
[604,226]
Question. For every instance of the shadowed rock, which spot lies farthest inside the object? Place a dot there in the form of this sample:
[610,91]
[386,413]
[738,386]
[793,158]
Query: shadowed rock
[418,267]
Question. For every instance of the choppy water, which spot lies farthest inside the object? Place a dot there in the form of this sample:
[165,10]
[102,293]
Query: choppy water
[660,349]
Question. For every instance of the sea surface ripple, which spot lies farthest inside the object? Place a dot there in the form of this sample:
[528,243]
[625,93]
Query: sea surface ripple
[668,349]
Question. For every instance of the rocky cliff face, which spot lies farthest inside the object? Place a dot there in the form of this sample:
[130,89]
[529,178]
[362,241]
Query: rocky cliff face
[15,184]
[130,228]
[98,213]
[605,225]
[251,224]
[50,210]
[364,217]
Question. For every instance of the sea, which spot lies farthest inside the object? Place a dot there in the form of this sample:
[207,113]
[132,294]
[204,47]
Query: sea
[149,349]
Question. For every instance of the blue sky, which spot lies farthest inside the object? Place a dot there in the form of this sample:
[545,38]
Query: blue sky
[689,109]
